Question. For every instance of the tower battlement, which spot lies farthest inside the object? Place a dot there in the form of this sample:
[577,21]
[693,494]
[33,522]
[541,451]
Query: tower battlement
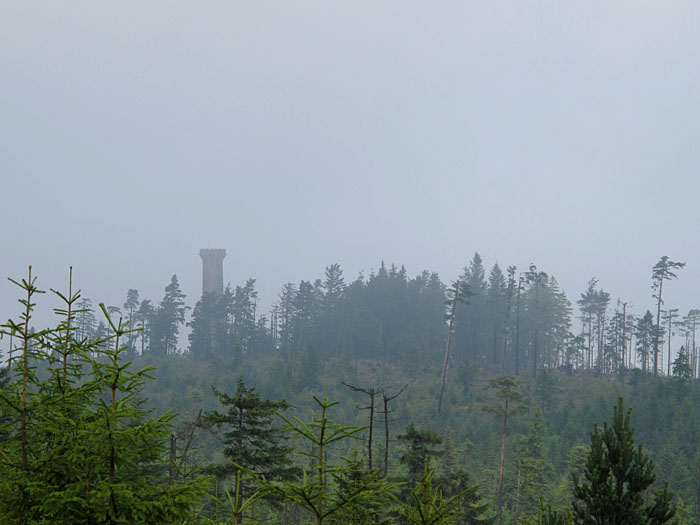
[212,270]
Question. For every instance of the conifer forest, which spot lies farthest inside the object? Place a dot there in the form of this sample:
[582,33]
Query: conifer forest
[385,399]
[349,263]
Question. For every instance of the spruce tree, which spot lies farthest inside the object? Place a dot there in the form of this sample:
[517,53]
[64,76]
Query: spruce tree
[351,477]
[428,506]
[420,449]
[207,336]
[534,469]
[80,449]
[644,334]
[4,379]
[131,306]
[168,317]
[432,497]
[681,366]
[250,438]
[328,489]
[331,308]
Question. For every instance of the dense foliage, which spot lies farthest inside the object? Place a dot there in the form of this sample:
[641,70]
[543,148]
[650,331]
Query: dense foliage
[77,438]
[616,479]
[504,322]
[77,445]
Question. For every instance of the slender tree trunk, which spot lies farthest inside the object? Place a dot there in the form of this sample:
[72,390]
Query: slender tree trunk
[631,360]
[68,328]
[658,328]
[537,324]
[25,379]
[494,348]
[599,342]
[506,329]
[321,480]
[447,345]
[386,434]
[503,463]
[173,454]
[371,426]
[23,405]
[695,351]
[386,400]
[237,515]
[670,324]
[113,452]
[517,498]
[624,334]
[371,393]
[379,345]
[517,328]
[590,341]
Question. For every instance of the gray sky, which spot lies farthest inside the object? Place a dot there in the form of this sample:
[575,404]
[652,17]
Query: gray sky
[298,134]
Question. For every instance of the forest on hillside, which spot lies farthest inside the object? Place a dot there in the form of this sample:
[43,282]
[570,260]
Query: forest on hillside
[350,263]
[510,321]
[404,401]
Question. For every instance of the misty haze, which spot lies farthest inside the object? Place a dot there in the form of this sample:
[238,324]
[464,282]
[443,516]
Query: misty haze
[350,263]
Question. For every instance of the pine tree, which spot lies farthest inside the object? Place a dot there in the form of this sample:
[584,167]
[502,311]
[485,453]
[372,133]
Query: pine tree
[506,389]
[669,318]
[459,292]
[617,479]
[662,271]
[689,327]
[144,318]
[602,299]
[555,323]
[587,306]
[537,281]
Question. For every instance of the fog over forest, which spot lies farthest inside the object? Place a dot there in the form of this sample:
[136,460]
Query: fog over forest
[406,145]
[309,134]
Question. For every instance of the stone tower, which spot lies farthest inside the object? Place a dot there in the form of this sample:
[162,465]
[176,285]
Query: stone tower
[212,270]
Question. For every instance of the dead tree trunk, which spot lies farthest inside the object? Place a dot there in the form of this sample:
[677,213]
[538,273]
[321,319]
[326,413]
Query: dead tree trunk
[453,308]
[386,400]
[371,393]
